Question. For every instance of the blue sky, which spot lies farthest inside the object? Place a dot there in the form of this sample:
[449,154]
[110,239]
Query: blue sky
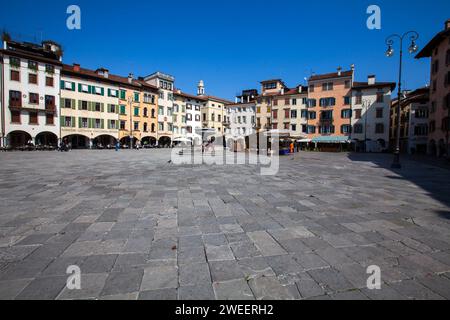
[231,45]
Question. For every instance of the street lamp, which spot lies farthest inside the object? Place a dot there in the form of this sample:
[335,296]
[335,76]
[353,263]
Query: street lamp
[390,53]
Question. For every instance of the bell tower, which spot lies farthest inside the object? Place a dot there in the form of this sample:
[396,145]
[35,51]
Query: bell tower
[201,88]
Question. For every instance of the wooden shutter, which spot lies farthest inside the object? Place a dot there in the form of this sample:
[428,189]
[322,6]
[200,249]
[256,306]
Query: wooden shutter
[73,104]
[102,107]
[62,83]
[62,121]
[80,89]
[102,123]
[79,123]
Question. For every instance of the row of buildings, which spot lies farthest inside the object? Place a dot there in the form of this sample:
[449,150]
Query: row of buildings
[44,101]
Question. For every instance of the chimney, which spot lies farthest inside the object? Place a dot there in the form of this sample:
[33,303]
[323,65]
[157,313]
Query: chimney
[447,24]
[339,71]
[76,67]
[130,78]
[282,91]
[300,89]
[371,80]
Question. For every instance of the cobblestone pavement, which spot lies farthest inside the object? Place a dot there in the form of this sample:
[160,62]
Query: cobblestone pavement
[142,228]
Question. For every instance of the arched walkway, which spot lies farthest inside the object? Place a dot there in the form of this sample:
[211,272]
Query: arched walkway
[125,142]
[46,139]
[76,141]
[164,142]
[17,139]
[148,142]
[104,142]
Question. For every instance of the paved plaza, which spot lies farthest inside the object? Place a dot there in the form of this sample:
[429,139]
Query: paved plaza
[140,227]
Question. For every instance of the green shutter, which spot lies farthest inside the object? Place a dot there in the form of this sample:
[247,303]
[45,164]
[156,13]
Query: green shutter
[73,104]
[117,124]
[89,106]
[79,122]
[90,123]
[79,87]
[102,123]
[73,122]
[109,92]
[73,86]
[90,89]
[117,109]
[102,107]
[122,94]
[62,103]
[103,91]
[62,85]
[62,121]
[79,105]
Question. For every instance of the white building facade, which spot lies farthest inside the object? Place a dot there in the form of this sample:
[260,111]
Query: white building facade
[370,114]
[31,96]
[165,84]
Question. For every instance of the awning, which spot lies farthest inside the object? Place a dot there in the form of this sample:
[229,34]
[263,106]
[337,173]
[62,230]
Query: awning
[331,139]
[304,140]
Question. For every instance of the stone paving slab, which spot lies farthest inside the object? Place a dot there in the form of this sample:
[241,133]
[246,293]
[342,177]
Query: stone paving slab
[140,227]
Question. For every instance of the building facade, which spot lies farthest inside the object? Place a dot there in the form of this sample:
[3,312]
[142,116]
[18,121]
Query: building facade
[213,111]
[329,109]
[438,49]
[414,122]
[30,102]
[137,112]
[165,85]
[187,116]
[89,107]
[370,115]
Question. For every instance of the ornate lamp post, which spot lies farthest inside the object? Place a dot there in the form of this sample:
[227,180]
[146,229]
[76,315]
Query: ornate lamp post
[389,53]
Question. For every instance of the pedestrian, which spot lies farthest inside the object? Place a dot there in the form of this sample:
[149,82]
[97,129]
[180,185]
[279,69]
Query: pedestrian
[117,146]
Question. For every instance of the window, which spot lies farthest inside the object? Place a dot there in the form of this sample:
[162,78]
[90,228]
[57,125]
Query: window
[432,126]
[49,102]
[98,107]
[136,97]
[294,102]
[15,75]
[15,116]
[326,129]
[49,68]
[294,127]
[67,103]
[145,112]
[68,121]
[347,84]
[445,124]
[275,114]
[14,62]
[379,114]
[68,85]
[287,102]
[326,115]
[359,98]
[346,129]
[33,117]
[84,122]
[98,91]
[270,85]
[169,112]
[136,112]
[49,119]
[435,67]
[98,124]
[136,126]
[311,88]
[294,114]
[112,108]
[122,125]
[312,115]
[327,86]
[153,127]
[358,128]
[358,113]
[304,114]
[153,113]
[204,117]
[380,97]
[83,88]
[446,102]
[145,127]
[346,114]
[49,82]
[123,94]
[379,128]
[34,98]
[160,110]
[347,100]
[421,130]
[123,109]
[15,98]
[33,65]
[421,113]
[160,126]
[32,78]
[189,117]
[311,129]
[312,103]
[327,102]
